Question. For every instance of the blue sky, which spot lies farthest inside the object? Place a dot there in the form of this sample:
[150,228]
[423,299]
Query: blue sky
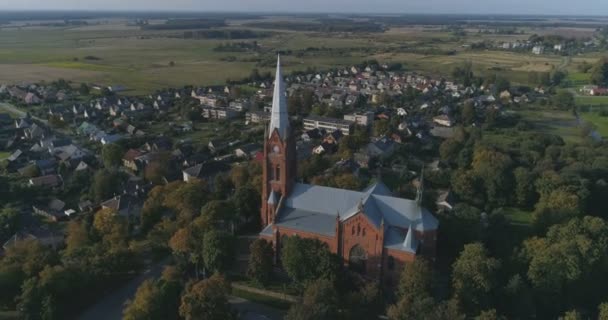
[580,7]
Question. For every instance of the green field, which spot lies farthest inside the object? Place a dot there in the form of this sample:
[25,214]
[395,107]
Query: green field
[600,123]
[591,101]
[4,155]
[142,60]
[561,123]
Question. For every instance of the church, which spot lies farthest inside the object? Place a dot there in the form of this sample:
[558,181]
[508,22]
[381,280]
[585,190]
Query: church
[374,232]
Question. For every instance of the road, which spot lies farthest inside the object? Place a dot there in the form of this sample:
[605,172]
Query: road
[110,307]
[14,110]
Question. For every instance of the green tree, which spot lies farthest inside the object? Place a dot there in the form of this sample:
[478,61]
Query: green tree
[415,280]
[9,222]
[308,259]
[599,72]
[112,154]
[218,250]
[247,204]
[260,261]
[320,302]
[155,299]
[563,99]
[105,185]
[602,313]
[474,278]
[207,299]
[84,89]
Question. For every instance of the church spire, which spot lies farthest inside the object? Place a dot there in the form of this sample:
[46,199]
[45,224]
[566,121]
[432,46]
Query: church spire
[279,119]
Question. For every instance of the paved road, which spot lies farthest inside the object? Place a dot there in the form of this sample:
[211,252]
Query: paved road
[110,307]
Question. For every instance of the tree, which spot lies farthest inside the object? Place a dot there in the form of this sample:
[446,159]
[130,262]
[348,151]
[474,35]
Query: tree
[218,250]
[77,236]
[468,114]
[599,72]
[603,311]
[502,84]
[155,299]
[207,299]
[415,280]
[105,185]
[320,302]
[568,265]
[308,259]
[112,227]
[111,154]
[247,204]
[524,187]
[185,199]
[474,278]
[464,73]
[9,221]
[381,127]
[564,99]
[84,89]
[260,261]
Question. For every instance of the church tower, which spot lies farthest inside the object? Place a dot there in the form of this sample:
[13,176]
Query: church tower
[279,163]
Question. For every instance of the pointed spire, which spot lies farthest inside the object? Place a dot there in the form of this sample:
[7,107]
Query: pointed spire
[278,118]
[420,190]
[409,244]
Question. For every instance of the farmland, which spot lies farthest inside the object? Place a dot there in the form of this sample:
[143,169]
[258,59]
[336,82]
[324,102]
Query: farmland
[112,52]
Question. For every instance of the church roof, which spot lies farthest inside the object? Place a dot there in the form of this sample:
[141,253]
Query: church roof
[278,117]
[315,208]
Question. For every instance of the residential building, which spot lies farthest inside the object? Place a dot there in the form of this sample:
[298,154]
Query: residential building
[362,119]
[328,124]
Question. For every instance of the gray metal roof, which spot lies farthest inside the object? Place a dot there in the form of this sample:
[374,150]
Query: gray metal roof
[278,117]
[397,239]
[273,198]
[310,221]
[314,209]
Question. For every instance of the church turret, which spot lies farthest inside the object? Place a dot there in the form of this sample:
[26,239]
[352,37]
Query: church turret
[279,163]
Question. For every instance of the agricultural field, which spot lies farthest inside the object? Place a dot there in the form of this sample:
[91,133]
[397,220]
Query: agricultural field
[115,53]
[591,101]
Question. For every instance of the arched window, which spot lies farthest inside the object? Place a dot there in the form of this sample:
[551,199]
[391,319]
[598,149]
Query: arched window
[357,258]
[277,175]
[363,232]
[358,229]
[353,231]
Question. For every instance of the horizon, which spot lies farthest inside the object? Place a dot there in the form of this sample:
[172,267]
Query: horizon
[381,7]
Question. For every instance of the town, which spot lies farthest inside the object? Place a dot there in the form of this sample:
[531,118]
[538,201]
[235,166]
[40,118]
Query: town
[359,191]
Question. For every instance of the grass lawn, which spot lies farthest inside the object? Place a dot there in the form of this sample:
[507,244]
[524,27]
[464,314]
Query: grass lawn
[591,101]
[518,217]
[258,298]
[600,123]
[4,155]
[579,77]
[561,123]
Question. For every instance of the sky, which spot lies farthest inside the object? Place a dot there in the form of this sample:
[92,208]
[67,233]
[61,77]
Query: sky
[566,7]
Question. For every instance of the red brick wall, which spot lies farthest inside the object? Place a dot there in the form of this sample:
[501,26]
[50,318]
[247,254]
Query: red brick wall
[358,230]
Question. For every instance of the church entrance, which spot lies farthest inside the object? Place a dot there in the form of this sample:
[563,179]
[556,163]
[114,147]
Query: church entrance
[357,259]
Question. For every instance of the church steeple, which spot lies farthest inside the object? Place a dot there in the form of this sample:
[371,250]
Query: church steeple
[279,163]
[279,118]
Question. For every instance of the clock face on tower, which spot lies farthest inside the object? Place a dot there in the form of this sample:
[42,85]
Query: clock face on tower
[276,149]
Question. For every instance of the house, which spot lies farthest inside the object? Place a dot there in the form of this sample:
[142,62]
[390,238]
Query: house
[50,181]
[218,113]
[599,91]
[312,135]
[383,147]
[216,146]
[363,119]
[129,160]
[325,148]
[54,210]
[538,50]
[31,98]
[333,137]
[123,205]
[247,151]
[206,171]
[257,117]
[443,120]
[45,237]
